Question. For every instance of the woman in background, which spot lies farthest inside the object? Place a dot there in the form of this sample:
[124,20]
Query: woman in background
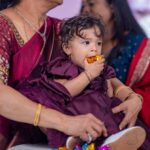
[127,49]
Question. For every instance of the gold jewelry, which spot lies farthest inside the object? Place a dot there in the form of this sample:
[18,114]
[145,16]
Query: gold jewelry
[27,38]
[43,35]
[37,115]
[133,93]
[121,88]
[140,96]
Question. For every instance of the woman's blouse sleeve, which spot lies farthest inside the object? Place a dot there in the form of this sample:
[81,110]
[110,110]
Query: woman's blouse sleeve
[5,38]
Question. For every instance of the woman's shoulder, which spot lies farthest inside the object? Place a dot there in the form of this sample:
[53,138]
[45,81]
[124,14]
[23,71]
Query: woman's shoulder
[56,22]
[4,24]
[8,29]
[135,36]
[132,42]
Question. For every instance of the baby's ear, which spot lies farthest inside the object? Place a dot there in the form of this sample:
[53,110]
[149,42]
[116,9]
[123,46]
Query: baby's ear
[66,48]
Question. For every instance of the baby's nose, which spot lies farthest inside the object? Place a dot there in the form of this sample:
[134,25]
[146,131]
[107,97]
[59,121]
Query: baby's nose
[93,50]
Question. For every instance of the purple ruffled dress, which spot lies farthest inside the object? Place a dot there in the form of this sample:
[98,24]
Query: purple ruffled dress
[93,99]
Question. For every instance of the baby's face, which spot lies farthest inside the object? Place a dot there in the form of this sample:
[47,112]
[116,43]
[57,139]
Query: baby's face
[89,45]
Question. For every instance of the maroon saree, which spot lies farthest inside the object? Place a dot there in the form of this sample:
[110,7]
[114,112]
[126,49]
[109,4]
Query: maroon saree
[24,58]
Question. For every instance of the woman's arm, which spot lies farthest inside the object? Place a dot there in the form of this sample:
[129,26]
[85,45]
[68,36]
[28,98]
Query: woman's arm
[131,105]
[15,106]
[122,91]
[116,83]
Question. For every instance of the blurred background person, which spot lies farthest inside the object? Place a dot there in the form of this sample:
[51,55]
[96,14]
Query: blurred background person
[141,11]
[127,49]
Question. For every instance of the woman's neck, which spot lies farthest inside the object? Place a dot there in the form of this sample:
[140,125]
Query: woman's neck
[108,46]
[34,11]
[109,42]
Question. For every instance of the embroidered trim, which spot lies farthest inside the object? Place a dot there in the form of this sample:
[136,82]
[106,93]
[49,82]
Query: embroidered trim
[4,69]
[142,65]
[16,33]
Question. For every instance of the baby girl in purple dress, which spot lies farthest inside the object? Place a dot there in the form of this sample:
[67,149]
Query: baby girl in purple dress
[72,85]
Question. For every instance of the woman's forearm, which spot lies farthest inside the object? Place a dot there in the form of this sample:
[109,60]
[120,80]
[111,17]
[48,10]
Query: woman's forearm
[15,106]
[116,84]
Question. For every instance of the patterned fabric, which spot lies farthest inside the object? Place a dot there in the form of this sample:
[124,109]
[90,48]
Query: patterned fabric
[5,51]
[139,77]
[4,67]
[122,62]
[139,64]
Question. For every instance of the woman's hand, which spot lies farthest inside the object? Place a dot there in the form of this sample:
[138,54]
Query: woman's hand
[84,125]
[131,107]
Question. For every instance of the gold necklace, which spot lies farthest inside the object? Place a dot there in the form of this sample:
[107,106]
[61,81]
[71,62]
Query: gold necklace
[43,35]
[27,38]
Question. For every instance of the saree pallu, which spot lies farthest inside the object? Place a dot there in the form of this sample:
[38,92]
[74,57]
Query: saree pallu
[24,60]
[139,77]
[35,52]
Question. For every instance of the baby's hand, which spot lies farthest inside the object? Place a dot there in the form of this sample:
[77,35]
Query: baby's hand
[94,69]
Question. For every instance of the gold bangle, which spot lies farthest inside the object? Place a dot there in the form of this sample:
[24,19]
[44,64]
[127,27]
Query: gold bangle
[120,88]
[133,93]
[37,115]
[139,96]
[87,75]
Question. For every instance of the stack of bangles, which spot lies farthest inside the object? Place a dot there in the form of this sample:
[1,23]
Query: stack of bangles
[37,115]
[131,92]
[87,147]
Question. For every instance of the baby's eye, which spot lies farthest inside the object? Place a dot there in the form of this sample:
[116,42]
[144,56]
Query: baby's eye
[99,43]
[86,42]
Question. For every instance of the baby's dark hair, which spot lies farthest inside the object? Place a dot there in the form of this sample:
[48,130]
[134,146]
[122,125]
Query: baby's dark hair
[75,25]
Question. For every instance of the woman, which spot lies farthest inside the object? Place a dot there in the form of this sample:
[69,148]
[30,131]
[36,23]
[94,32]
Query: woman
[29,39]
[127,50]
